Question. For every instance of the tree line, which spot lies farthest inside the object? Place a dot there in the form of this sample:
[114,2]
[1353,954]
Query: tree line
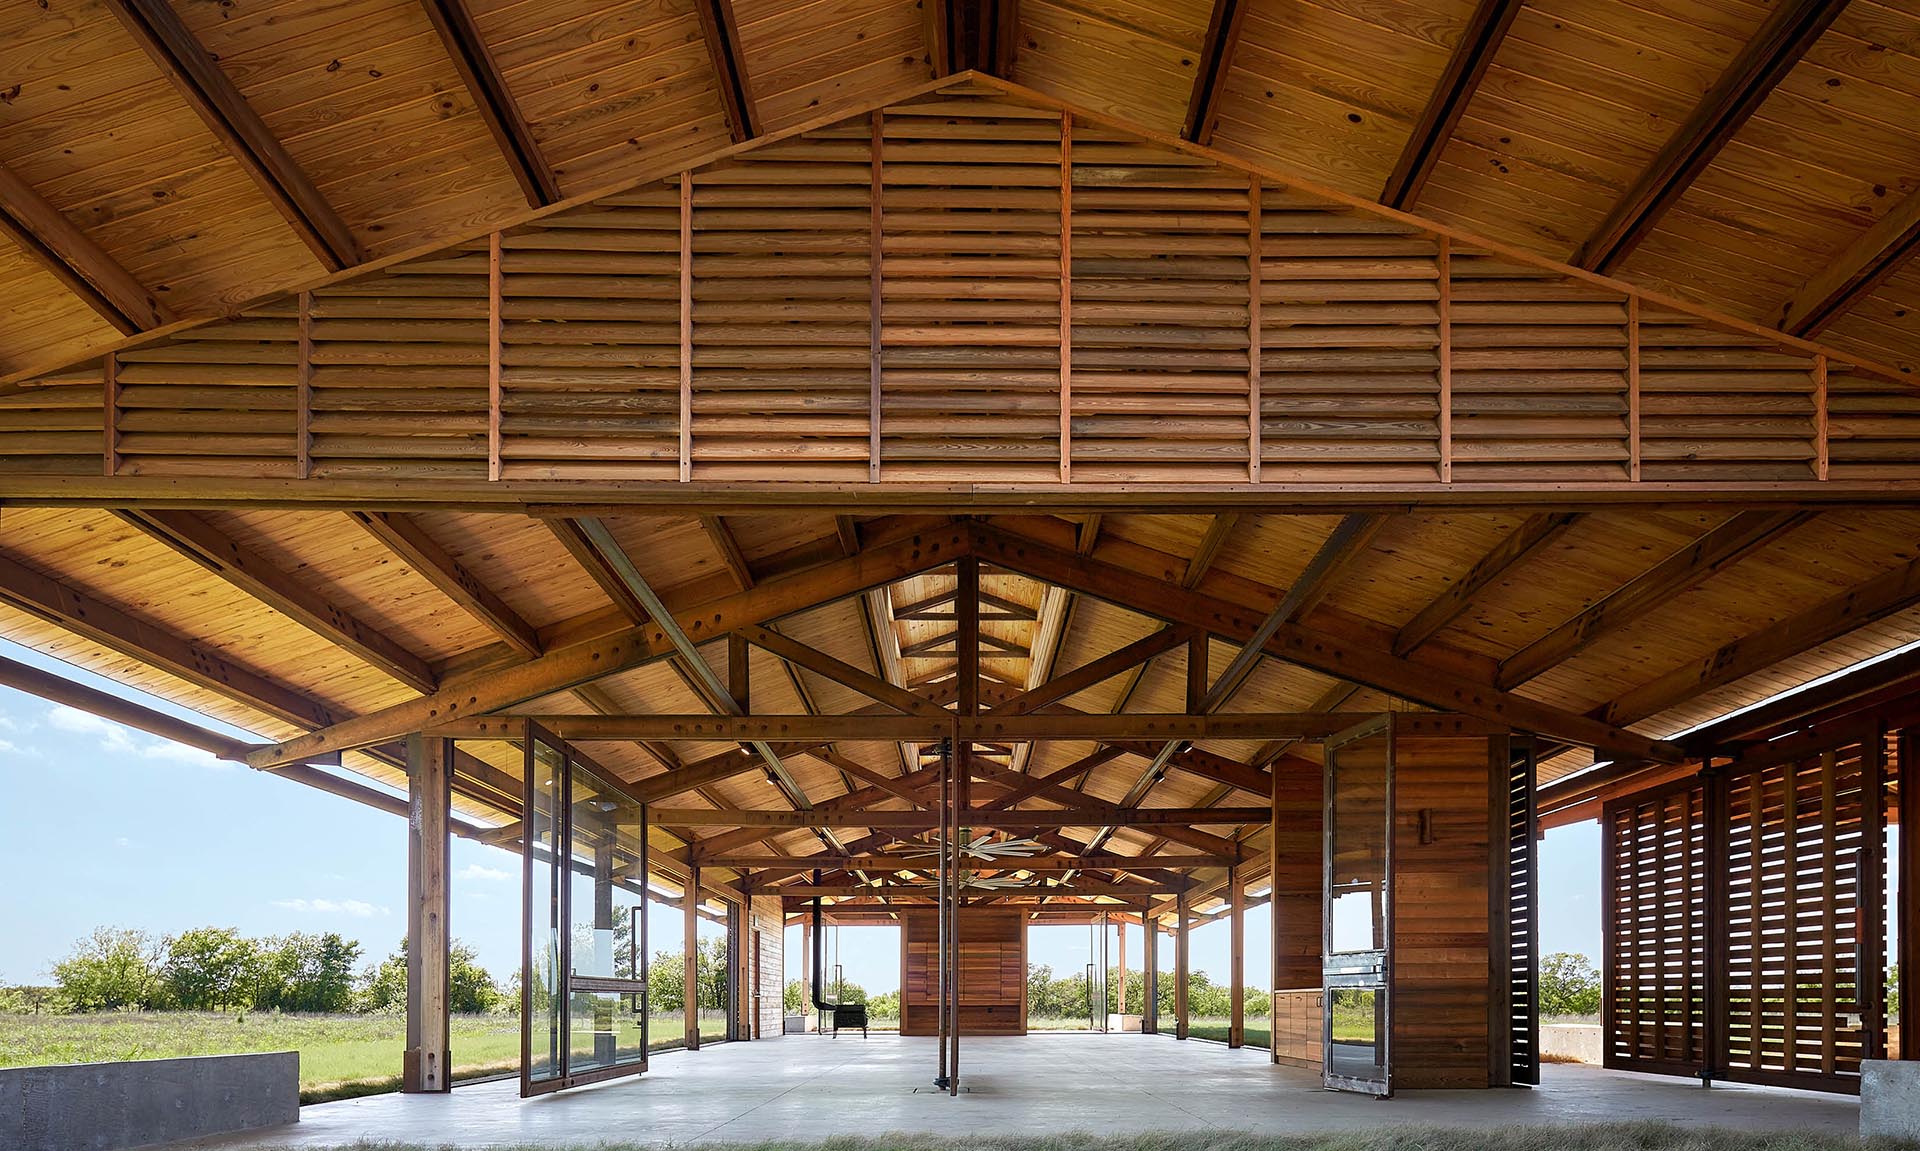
[219,969]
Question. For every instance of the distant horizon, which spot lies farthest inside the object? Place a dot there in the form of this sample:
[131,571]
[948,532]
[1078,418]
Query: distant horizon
[171,838]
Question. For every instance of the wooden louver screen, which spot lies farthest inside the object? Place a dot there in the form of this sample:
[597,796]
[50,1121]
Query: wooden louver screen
[1654,990]
[969,286]
[1523,922]
[1803,906]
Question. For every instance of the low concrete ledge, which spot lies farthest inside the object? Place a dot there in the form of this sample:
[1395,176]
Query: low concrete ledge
[1890,1098]
[108,1106]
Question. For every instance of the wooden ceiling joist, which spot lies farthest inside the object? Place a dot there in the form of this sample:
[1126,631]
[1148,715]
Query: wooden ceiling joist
[1479,41]
[217,101]
[1718,549]
[1852,276]
[1532,534]
[481,75]
[46,236]
[721,31]
[407,539]
[201,541]
[1746,82]
[1210,77]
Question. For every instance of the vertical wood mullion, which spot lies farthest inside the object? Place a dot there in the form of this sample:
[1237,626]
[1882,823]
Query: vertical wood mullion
[1633,388]
[303,392]
[1829,960]
[1444,265]
[110,415]
[1756,834]
[1253,329]
[1790,779]
[1822,459]
[494,292]
[875,300]
[1870,988]
[1066,297]
[686,326]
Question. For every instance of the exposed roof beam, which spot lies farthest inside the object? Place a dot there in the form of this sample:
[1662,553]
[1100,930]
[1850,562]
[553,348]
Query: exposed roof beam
[936,29]
[406,538]
[891,726]
[1022,863]
[1534,533]
[1883,595]
[1752,75]
[996,35]
[1211,541]
[1478,44]
[50,239]
[473,60]
[728,549]
[1329,652]
[722,35]
[218,102]
[1718,549]
[1863,266]
[571,537]
[201,541]
[973,817]
[795,653]
[1210,77]
[1097,670]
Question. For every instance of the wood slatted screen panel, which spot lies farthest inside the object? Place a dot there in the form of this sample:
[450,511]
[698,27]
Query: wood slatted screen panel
[1653,927]
[1802,887]
[913,295]
[970,340]
[1523,920]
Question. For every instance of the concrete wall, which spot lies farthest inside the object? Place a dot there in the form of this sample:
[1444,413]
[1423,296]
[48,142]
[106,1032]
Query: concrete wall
[1578,1042]
[1890,1098]
[105,1106]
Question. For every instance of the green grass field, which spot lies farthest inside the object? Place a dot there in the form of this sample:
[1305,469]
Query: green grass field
[340,1055]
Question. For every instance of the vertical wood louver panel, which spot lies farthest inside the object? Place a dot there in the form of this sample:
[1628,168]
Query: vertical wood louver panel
[970,356]
[1654,989]
[1801,841]
[1159,311]
[399,371]
[218,401]
[1718,404]
[590,341]
[1540,374]
[781,281]
[1350,344]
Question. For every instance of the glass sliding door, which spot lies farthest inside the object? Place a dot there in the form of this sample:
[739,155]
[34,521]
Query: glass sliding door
[1358,920]
[584,984]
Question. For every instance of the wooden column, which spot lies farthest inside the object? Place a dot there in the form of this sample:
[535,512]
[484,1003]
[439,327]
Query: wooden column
[806,967]
[1150,975]
[423,1063]
[1120,983]
[691,960]
[1236,956]
[1181,954]
[1909,910]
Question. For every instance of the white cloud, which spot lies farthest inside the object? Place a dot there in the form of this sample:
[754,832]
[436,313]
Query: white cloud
[478,871]
[7,747]
[118,740]
[358,908]
[124,843]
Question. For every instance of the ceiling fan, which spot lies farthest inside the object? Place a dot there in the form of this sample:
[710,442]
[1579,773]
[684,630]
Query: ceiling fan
[986,848]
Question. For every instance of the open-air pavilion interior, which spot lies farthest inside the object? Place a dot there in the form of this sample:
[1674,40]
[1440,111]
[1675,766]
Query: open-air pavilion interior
[972,465]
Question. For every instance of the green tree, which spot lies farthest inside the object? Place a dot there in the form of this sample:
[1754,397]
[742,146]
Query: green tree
[470,989]
[307,973]
[206,969]
[114,969]
[666,977]
[1568,985]
[794,998]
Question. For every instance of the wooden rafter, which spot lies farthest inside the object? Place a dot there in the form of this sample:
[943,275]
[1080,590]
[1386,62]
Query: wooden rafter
[936,29]
[1215,538]
[1166,817]
[721,32]
[473,61]
[1713,552]
[1534,532]
[1852,276]
[47,237]
[1479,41]
[1746,82]
[888,727]
[1210,77]
[213,96]
[409,540]
[798,654]
[728,549]
[204,543]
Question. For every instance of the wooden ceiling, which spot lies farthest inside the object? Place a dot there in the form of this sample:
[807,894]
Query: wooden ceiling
[171,160]
[290,622]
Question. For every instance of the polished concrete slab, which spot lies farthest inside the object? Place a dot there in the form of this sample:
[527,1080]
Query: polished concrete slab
[806,1087]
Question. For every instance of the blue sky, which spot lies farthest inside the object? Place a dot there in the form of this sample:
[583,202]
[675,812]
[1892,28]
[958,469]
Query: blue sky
[104,825]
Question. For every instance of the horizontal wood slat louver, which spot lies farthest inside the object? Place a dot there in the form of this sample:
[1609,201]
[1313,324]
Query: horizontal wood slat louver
[1653,911]
[972,286]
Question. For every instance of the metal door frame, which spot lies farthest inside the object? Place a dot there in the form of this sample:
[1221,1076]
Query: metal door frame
[1336,973]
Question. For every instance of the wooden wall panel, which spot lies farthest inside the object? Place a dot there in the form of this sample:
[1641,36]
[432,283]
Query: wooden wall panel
[1653,924]
[993,971]
[1442,983]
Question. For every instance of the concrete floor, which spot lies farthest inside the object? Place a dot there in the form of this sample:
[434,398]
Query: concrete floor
[811,1087]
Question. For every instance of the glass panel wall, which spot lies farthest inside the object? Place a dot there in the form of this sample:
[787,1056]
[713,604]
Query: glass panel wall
[666,975]
[1358,910]
[1059,970]
[541,860]
[716,942]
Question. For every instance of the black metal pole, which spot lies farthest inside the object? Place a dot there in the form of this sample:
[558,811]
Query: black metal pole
[940,960]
